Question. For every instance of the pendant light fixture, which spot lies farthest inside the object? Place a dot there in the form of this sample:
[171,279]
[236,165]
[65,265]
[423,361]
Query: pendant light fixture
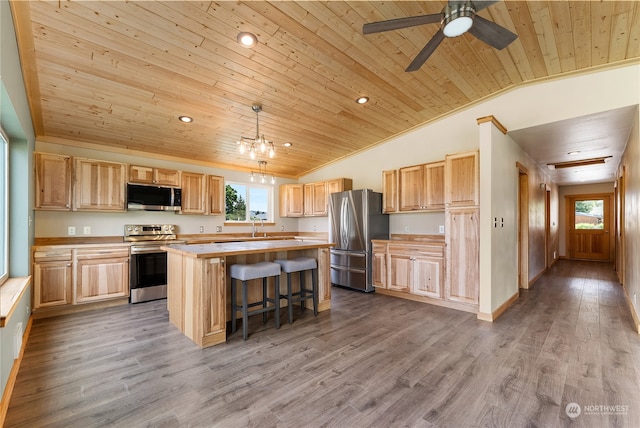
[262,174]
[259,142]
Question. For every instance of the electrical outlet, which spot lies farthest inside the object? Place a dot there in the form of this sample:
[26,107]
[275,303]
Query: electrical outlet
[218,228]
[441,229]
[314,227]
[201,229]
[87,230]
[71,230]
[282,228]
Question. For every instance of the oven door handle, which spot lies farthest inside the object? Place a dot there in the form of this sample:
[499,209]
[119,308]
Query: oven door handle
[147,250]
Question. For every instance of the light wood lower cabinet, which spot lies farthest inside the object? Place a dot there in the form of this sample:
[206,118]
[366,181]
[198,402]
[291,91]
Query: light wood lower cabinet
[65,276]
[102,274]
[52,272]
[416,269]
[379,274]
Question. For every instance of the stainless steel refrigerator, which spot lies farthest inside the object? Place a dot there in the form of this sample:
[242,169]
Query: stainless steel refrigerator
[355,218]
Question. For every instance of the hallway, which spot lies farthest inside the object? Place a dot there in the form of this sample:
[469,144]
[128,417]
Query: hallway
[372,360]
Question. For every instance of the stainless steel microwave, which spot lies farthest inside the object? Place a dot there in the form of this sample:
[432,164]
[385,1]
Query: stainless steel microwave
[153,198]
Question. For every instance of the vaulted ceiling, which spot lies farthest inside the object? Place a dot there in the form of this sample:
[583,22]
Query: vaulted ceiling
[118,74]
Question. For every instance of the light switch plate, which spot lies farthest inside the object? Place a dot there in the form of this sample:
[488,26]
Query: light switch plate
[71,230]
[87,230]
[441,229]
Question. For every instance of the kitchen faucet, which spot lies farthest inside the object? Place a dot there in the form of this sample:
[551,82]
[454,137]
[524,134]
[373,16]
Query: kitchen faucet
[253,228]
[262,225]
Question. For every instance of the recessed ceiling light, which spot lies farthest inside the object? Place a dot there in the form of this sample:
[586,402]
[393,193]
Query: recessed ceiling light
[287,144]
[362,100]
[185,119]
[247,40]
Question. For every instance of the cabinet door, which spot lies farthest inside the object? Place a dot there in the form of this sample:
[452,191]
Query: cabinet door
[320,199]
[434,183]
[101,278]
[166,177]
[291,200]
[53,182]
[379,274]
[140,174]
[462,275]
[216,195]
[401,266]
[338,185]
[411,188]
[213,297]
[389,191]
[193,193]
[462,181]
[308,200]
[426,278]
[99,186]
[52,284]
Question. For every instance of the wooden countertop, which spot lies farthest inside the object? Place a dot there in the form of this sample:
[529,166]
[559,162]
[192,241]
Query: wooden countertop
[246,247]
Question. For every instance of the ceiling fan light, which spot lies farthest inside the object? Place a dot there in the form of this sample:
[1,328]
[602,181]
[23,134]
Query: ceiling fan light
[457,27]
[457,19]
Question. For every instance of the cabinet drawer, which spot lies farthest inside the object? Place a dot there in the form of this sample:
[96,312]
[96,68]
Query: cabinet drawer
[434,251]
[52,255]
[102,253]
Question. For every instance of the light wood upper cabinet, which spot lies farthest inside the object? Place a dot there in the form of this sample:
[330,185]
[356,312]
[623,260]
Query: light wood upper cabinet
[462,179]
[339,185]
[53,182]
[291,200]
[102,274]
[434,185]
[316,195]
[158,176]
[389,191]
[99,185]
[463,257]
[411,187]
[194,196]
[52,274]
[215,195]
[421,187]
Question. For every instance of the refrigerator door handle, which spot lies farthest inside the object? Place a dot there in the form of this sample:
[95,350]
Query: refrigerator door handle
[344,220]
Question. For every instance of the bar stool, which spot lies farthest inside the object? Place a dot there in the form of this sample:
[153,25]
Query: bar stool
[300,264]
[254,271]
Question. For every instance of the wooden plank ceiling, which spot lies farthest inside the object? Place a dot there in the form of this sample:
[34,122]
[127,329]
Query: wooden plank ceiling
[118,74]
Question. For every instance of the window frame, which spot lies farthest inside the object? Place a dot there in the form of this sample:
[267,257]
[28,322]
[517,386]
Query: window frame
[4,206]
[270,203]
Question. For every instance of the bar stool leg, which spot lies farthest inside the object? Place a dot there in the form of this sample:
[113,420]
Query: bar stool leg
[234,308]
[289,298]
[264,299]
[314,286]
[303,291]
[276,298]
[245,314]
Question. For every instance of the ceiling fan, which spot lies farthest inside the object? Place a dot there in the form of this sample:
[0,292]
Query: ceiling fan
[456,18]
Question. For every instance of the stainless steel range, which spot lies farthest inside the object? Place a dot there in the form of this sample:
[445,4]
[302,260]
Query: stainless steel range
[148,265]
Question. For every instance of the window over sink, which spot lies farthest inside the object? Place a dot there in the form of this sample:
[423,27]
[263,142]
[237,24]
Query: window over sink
[4,207]
[246,203]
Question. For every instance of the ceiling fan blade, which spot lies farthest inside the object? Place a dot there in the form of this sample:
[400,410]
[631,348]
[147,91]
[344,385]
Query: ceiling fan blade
[394,24]
[491,33]
[426,52]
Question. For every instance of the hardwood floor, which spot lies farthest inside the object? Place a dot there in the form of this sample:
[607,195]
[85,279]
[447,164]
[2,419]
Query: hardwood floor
[372,360]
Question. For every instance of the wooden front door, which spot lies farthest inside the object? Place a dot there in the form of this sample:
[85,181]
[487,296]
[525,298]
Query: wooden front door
[589,220]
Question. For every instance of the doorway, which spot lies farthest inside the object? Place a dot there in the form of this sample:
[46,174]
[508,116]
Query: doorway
[590,221]
[523,226]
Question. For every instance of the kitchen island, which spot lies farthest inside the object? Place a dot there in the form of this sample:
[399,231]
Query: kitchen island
[198,281]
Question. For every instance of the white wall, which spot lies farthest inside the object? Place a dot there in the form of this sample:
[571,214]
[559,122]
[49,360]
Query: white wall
[55,224]
[565,191]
